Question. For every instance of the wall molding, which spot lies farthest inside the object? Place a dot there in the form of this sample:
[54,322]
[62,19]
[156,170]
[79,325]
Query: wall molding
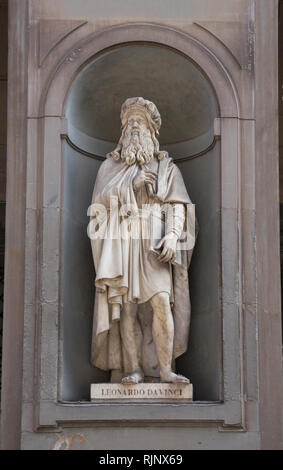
[175,160]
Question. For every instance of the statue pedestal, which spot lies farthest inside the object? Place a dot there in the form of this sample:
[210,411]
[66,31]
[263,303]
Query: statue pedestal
[143,392]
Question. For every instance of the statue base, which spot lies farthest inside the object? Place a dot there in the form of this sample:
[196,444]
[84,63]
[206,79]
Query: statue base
[143,392]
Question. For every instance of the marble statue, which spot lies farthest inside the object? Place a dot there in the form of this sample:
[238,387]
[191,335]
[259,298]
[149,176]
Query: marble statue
[138,215]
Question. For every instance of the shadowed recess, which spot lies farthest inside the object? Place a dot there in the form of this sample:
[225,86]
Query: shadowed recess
[180,91]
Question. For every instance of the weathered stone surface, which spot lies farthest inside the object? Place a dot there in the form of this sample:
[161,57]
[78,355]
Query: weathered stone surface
[250,409]
[52,32]
[142,392]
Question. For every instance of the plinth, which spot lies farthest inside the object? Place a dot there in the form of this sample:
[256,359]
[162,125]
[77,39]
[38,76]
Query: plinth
[143,392]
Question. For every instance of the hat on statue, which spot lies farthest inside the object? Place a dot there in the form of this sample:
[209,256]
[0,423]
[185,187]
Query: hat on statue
[140,105]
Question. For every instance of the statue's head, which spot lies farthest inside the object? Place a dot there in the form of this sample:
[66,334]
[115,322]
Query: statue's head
[138,143]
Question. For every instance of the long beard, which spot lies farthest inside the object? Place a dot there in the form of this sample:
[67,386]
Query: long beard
[137,149]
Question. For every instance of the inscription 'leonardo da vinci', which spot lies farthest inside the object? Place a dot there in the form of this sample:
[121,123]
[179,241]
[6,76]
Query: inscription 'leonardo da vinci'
[140,212]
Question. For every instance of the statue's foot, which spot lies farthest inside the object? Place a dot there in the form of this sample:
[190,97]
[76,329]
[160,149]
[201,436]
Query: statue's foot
[135,378]
[171,377]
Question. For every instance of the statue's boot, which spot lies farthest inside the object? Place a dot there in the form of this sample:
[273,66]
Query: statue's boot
[134,378]
[171,377]
[163,334]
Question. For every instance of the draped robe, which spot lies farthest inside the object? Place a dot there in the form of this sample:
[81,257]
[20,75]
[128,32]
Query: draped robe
[118,263]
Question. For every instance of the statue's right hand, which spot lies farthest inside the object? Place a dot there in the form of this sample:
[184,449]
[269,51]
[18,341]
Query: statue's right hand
[143,177]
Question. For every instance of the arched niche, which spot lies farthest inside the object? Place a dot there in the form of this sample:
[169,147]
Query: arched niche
[188,107]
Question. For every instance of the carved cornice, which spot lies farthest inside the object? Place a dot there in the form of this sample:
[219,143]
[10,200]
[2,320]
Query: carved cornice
[176,160]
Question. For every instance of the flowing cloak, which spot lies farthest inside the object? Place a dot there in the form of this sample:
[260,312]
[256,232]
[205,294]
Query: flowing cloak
[113,259]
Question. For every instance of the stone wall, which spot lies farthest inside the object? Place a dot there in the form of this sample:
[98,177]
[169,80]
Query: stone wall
[3,149]
[234,45]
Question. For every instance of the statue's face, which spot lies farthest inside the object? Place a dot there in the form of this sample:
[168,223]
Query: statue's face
[137,125]
[137,143]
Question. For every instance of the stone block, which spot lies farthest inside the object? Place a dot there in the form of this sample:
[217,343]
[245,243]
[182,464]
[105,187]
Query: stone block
[143,392]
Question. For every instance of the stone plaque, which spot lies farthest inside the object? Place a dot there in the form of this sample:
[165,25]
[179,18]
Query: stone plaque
[145,392]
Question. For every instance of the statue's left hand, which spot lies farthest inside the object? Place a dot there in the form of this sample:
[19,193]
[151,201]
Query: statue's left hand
[169,244]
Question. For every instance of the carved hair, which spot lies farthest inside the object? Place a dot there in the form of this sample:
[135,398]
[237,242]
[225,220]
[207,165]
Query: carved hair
[147,108]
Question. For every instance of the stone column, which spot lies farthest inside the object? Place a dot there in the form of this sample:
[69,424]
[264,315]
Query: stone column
[267,226]
[15,227]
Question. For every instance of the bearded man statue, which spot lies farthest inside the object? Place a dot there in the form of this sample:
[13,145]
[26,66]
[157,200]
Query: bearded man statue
[142,303]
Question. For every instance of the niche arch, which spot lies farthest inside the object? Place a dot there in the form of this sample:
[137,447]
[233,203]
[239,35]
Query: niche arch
[188,109]
[52,109]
